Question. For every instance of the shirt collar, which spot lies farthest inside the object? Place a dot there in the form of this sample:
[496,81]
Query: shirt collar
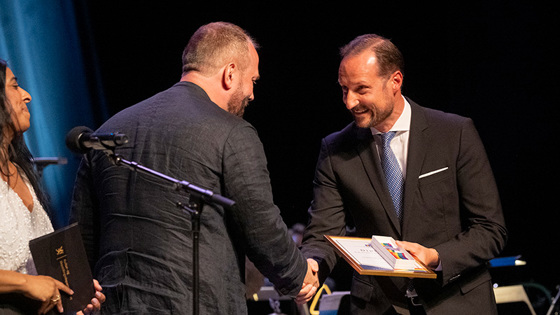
[403,123]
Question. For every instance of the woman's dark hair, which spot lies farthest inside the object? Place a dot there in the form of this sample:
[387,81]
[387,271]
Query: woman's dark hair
[18,153]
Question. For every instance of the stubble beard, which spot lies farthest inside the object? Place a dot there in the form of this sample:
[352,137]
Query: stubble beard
[237,103]
[374,118]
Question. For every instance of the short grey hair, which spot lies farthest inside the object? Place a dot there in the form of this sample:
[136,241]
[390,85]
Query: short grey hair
[215,44]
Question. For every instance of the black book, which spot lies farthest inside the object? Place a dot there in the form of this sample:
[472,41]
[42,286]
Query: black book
[61,255]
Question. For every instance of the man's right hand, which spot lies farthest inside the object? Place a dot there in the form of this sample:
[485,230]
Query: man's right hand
[310,283]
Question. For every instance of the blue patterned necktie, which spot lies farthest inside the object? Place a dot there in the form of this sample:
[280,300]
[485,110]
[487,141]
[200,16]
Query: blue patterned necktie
[393,173]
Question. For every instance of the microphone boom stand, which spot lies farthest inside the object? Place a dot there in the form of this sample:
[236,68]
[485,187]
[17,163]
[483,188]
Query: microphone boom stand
[196,202]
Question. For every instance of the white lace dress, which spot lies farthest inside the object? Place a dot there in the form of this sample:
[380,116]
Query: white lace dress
[17,226]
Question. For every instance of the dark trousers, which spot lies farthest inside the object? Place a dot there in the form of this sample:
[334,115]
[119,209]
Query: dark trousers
[415,309]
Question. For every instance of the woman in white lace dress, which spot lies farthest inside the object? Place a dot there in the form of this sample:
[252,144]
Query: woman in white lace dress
[22,216]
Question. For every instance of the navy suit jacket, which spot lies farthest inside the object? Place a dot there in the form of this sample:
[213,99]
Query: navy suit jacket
[138,240]
[451,203]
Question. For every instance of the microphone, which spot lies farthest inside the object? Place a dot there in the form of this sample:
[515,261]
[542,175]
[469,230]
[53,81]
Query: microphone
[82,139]
[46,161]
[42,162]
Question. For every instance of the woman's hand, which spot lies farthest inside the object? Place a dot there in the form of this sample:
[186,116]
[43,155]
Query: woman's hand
[47,290]
[96,302]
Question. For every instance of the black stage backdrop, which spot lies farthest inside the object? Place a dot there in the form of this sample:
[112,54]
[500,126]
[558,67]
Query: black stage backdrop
[491,61]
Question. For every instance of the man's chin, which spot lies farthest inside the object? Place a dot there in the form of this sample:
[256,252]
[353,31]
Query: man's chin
[238,108]
[362,123]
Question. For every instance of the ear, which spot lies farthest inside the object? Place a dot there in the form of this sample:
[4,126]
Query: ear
[396,80]
[229,75]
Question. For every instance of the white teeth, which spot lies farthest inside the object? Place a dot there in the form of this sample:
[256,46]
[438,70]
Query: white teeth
[359,110]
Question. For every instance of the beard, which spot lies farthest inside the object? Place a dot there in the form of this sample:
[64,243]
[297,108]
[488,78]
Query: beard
[238,102]
[370,116]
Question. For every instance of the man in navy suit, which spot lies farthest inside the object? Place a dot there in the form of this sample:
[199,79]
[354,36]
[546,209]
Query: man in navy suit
[448,212]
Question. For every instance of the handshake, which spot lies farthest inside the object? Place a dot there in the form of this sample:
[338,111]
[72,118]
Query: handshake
[310,283]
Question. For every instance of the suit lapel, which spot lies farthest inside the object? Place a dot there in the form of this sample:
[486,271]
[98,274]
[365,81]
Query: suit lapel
[367,151]
[417,144]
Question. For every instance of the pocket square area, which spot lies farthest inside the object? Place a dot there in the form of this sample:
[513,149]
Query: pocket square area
[433,172]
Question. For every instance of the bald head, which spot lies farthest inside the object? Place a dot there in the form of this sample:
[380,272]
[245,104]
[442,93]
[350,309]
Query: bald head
[214,45]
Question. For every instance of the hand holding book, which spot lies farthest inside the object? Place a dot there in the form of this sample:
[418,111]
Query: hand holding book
[396,256]
[366,258]
[428,256]
[61,255]
[96,301]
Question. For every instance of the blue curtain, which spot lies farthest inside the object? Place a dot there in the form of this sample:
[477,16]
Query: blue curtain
[42,44]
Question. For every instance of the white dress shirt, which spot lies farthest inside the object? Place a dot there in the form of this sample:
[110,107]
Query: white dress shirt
[399,144]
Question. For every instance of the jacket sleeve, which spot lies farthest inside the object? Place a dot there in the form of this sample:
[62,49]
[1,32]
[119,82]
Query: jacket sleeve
[84,211]
[483,234]
[326,215]
[264,233]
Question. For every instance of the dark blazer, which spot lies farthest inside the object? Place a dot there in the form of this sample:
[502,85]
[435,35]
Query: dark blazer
[138,240]
[456,210]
